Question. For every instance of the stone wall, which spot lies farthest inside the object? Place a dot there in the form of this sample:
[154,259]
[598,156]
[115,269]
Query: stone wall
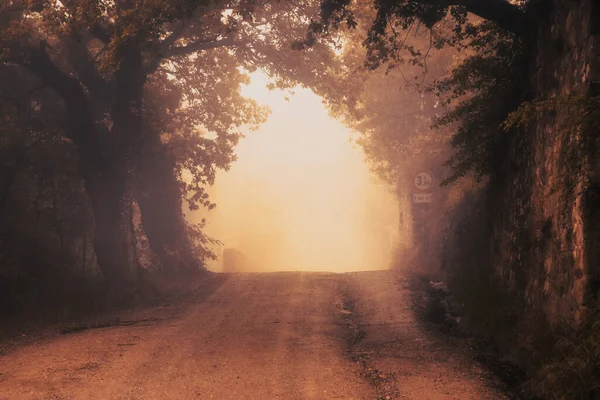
[544,228]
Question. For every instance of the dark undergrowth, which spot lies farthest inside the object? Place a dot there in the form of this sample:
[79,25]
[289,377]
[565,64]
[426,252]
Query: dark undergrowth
[88,305]
[532,357]
[436,310]
[534,360]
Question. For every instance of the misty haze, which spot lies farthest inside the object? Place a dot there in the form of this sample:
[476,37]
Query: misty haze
[300,199]
[300,195]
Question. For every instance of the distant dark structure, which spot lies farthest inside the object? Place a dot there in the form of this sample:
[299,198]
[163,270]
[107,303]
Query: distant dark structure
[234,261]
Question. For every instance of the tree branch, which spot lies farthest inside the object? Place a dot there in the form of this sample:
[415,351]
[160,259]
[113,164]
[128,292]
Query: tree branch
[81,127]
[165,46]
[187,49]
[170,40]
[200,46]
[84,65]
[507,15]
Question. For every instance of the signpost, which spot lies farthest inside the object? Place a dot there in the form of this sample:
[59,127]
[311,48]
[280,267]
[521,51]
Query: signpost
[424,184]
[421,209]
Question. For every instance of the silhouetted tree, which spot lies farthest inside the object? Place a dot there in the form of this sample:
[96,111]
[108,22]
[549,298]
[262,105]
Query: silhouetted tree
[99,59]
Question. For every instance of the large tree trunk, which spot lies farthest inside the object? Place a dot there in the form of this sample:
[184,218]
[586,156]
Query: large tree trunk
[117,181]
[159,196]
[114,242]
[106,168]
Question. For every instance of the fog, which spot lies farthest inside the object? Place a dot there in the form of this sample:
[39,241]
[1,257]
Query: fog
[300,196]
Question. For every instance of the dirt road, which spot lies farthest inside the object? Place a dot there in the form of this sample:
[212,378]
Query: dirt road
[258,336]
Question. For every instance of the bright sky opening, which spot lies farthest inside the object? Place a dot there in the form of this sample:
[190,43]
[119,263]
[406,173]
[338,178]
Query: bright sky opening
[300,196]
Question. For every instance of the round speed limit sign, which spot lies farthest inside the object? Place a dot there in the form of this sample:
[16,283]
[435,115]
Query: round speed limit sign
[423,181]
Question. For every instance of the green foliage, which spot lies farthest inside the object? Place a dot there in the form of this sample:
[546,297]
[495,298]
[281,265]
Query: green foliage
[387,106]
[387,41]
[577,112]
[199,117]
[452,74]
[480,92]
[202,244]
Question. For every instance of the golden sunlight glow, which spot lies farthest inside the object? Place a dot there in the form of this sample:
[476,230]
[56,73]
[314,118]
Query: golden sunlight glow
[300,196]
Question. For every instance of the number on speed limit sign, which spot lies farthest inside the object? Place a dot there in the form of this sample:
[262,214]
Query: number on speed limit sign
[423,181]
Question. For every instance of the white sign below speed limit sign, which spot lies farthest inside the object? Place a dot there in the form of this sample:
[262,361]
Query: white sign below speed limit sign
[423,181]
